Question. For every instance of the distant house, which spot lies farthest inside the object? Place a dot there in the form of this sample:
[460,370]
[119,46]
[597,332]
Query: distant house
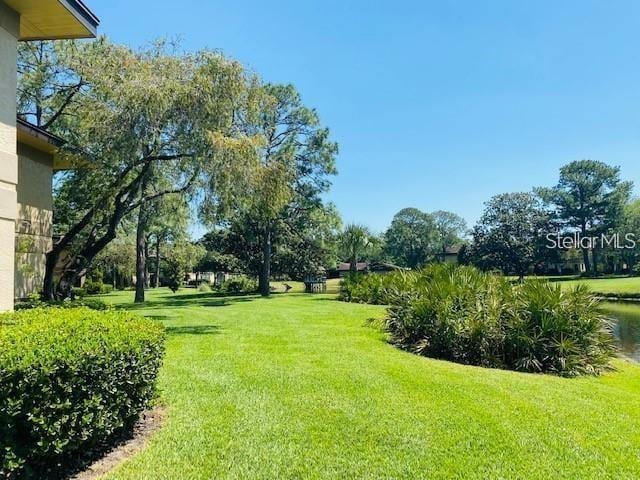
[566,266]
[567,261]
[27,152]
[450,254]
[213,278]
[344,268]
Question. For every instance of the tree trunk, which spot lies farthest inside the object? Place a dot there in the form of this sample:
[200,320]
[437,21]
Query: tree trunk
[141,254]
[53,255]
[48,287]
[265,273]
[92,246]
[353,266]
[157,279]
[147,276]
[585,251]
[594,259]
[585,259]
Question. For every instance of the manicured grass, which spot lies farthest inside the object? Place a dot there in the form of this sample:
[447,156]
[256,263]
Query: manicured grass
[298,386]
[616,285]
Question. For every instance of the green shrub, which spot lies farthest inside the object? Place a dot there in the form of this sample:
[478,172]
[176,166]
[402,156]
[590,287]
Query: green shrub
[563,332]
[71,380]
[92,287]
[239,284]
[463,315]
[451,313]
[376,289]
[34,301]
[79,292]
[204,287]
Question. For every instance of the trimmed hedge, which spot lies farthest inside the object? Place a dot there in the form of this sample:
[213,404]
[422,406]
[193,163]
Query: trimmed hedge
[71,381]
[34,301]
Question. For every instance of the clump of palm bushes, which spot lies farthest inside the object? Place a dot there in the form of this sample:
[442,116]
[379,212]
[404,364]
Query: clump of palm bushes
[552,330]
[460,314]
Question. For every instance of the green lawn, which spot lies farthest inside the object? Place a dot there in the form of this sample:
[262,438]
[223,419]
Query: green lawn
[298,386]
[615,285]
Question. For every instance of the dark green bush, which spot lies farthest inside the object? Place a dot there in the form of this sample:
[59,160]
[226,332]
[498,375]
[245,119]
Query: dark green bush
[552,330]
[374,288]
[79,292]
[71,380]
[36,302]
[92,287]
[239,284]
[454,313]
[460,314]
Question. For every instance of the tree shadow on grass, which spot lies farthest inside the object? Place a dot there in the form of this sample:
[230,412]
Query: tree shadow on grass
[194,330]
[203,300]
[327,299]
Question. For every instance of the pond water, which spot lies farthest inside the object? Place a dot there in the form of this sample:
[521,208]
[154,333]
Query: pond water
[627,326]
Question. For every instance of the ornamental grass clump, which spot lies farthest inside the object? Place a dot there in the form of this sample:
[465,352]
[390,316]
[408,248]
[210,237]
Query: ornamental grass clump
[71,381]
[460,314]
[557,331]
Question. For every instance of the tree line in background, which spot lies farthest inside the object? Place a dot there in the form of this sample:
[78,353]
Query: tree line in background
[521,233]
[158,138]
[518,232]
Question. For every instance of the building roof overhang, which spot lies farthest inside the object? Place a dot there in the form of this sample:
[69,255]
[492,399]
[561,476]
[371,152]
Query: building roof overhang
[54,19]
[43,141]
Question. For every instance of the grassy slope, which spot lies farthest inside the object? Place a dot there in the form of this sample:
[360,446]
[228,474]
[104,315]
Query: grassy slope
[298,387]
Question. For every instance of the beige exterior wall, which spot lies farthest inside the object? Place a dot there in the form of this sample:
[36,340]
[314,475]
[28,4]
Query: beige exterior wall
[33,220]
[9,28]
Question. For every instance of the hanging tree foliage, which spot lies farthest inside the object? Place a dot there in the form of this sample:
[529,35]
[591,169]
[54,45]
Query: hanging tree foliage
[133,115]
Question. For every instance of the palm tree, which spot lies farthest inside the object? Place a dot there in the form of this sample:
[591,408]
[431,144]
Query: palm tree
[355,240]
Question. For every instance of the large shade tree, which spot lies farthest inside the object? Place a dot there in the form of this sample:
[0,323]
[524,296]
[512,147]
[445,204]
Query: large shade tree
[589,198]
[451,229]
[161,221]
[631,239]
[308,248]
[289,158]
[511,233]
[412,239]
[133,114]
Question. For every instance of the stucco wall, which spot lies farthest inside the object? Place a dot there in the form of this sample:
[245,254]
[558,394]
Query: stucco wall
[9,25]
[34,219]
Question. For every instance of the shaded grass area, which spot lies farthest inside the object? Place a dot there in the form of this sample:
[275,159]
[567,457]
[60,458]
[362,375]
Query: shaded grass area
[297,386]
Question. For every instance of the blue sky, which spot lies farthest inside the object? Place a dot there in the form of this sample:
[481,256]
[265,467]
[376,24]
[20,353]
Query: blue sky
[435,104]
